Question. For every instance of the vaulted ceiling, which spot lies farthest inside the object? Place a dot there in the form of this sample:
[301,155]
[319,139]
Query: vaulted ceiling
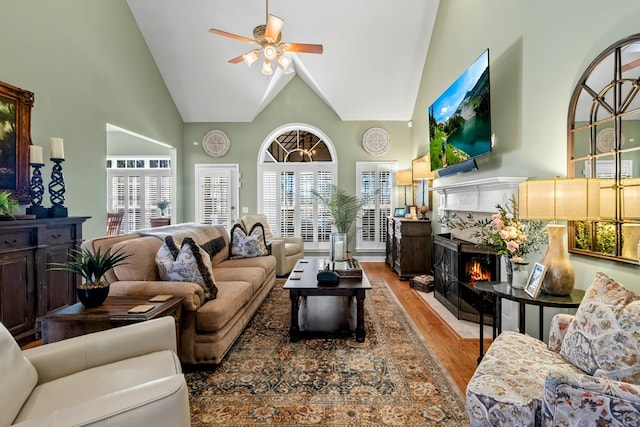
[374,53]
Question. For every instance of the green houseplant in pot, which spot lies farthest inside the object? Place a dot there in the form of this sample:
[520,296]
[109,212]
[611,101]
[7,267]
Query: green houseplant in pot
[7,204]
[92,267]
[344,209]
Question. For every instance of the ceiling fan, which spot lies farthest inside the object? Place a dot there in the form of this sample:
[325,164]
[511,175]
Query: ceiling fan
[268,38]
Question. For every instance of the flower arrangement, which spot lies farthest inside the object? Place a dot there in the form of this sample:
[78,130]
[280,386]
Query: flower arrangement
[504,231]
[162,204]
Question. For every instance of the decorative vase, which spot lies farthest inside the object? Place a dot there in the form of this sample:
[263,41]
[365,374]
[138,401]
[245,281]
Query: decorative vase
[92,295]
[520,273]
[560,277]
[162,211]
[338,246]
[509,267]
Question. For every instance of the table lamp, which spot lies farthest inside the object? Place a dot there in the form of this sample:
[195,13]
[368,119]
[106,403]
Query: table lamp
[559,199]
[422,172]
[404,178]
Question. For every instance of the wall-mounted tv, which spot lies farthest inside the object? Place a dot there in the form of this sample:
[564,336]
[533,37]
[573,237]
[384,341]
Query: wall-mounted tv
[460,120]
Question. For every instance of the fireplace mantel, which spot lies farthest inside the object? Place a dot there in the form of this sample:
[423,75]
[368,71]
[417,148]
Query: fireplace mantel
[480,196]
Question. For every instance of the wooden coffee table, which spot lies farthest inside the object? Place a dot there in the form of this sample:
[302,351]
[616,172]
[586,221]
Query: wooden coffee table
[76,319]
[307,286]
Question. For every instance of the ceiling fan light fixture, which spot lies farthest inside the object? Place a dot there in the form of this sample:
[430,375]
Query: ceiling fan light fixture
[250,57]
[284,62]
[266,68]
[270,52]
[274,26]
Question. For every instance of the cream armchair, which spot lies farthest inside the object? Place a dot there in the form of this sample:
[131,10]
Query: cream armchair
[286,250]
[127,376]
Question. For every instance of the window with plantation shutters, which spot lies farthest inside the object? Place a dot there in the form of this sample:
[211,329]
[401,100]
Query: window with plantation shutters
[134,186]
[296,159]
[216,194]
[374,184]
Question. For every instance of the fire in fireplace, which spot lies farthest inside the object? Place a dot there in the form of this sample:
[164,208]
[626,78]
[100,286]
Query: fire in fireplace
[458,266]
[477,271]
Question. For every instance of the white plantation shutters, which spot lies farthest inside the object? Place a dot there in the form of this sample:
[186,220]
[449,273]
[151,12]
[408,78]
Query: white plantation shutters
[216,194]
[294,160]
[285,198]
[372,177]
[134,185]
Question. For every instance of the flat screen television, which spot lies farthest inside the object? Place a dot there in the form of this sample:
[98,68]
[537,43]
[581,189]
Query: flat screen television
[460,120]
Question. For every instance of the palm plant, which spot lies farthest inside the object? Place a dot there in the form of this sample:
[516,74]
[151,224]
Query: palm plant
[344,207]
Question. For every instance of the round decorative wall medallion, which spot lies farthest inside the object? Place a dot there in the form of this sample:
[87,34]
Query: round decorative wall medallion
[376,141]
[605,141]
[216,143]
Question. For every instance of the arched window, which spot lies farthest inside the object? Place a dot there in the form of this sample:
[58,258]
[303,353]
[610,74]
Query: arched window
[293,160]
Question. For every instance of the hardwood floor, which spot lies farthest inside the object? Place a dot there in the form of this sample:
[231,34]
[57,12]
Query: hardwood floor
[459,356]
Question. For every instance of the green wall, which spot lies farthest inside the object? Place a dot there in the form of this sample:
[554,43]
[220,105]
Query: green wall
[538,50]
[297,103]
[88,65]
[120,143]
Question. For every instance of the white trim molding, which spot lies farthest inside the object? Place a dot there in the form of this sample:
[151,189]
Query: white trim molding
[480,196]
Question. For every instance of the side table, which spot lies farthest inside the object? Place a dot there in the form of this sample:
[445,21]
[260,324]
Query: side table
[76,319]
[484,290]
[503,290]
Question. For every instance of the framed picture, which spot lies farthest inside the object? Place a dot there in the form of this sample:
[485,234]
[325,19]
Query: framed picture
[15,138]
[413,210]
[398,212]
[534,284]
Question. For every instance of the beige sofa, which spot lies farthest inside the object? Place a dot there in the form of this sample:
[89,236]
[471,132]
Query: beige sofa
[128,376]
[287,250]
[207,329]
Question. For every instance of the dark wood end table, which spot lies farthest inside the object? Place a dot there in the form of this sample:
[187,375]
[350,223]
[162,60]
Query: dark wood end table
[501,290]
[307,285]
[76,319]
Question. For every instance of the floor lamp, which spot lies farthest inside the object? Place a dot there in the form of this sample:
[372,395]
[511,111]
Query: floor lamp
[422,172]
[560,199]
[404,178]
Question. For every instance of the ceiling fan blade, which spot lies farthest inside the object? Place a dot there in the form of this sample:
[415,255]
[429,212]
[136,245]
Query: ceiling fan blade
[631,65]
[233,36]
[236,60]
[274,25]
[301,47]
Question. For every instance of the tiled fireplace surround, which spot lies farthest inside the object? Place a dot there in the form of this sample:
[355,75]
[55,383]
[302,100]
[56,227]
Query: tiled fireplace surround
[478,198]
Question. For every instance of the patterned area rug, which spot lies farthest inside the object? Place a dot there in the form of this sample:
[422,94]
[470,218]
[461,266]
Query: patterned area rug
[390,379]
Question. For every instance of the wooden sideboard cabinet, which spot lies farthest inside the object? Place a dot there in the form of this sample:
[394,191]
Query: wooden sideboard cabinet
[409,246]
[28,288]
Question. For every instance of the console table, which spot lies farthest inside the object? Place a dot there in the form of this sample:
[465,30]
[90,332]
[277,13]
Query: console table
[28,288]
[409,246]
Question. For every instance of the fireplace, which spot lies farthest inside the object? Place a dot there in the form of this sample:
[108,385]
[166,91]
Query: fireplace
[458,265]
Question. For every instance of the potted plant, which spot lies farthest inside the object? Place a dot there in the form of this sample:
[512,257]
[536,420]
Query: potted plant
[162,205]
[344,209]
[92,267]
[7,204]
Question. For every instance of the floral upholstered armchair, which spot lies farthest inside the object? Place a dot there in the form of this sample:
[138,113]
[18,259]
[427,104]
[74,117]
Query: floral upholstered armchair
[589,374]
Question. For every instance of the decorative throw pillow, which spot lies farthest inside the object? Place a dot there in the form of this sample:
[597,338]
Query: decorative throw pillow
[214,246]
[603,337]
[189,263]
[247,245]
